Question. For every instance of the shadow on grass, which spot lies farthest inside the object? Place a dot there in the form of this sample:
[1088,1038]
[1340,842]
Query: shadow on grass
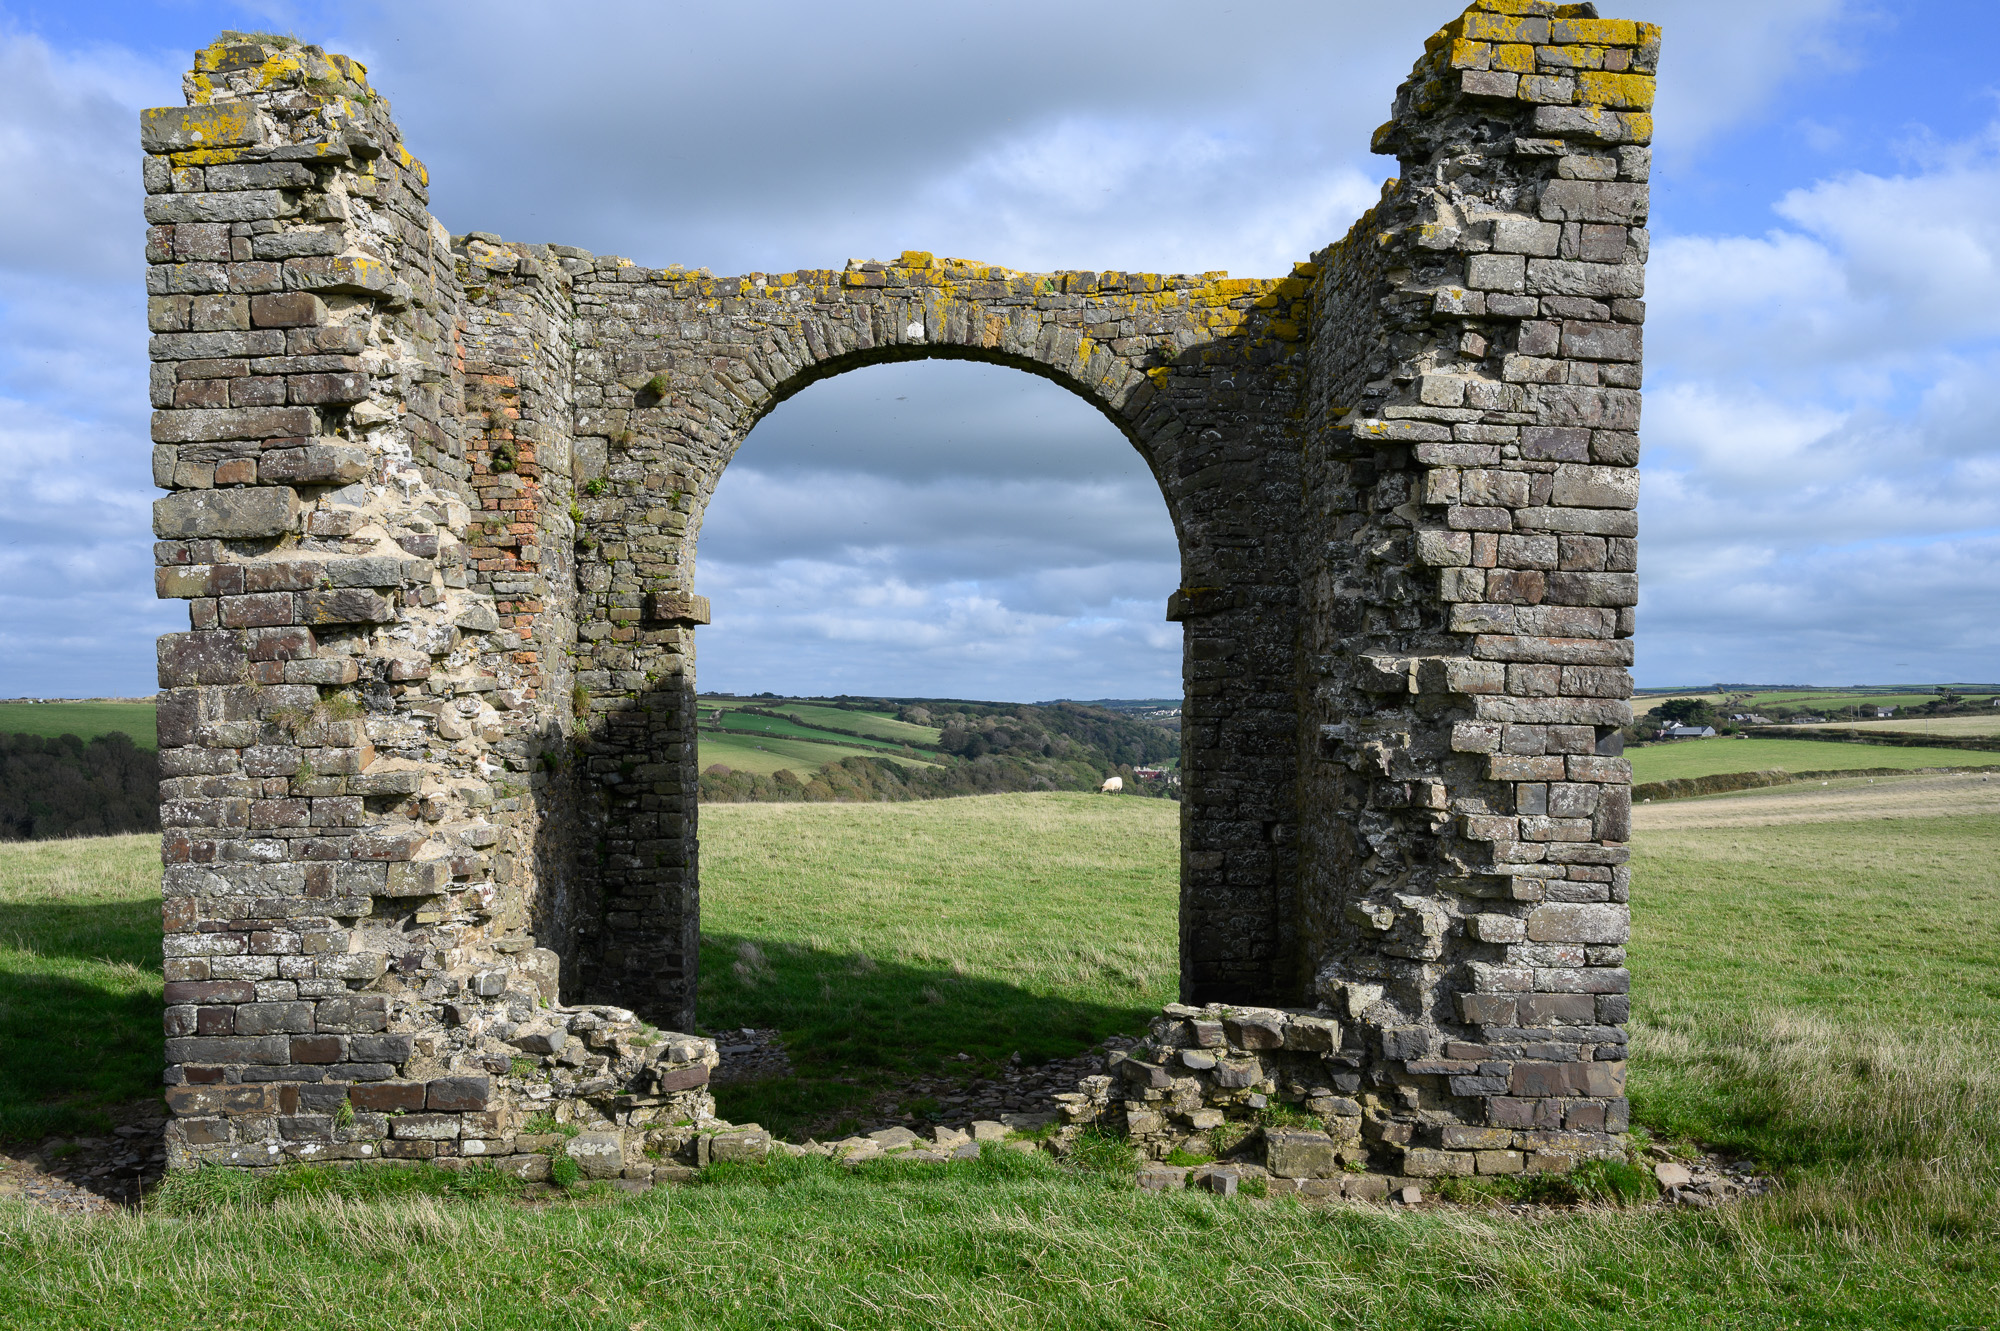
[80,1005]
[854,1027]
[120,932]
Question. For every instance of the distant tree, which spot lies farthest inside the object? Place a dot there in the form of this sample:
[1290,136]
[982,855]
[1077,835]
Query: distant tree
[63,786]
[1687,712]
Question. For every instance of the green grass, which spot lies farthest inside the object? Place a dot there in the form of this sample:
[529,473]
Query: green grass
[769,753]
[1977,726]
[1710,757]
[80,989]
[868,723]
[742,723]
[1823,995]
[988,926]
[82,719]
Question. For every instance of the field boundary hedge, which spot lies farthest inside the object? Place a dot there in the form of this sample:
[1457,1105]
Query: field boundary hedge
[1896,739]
[1722,783]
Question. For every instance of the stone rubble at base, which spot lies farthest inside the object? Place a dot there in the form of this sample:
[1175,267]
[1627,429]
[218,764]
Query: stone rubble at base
[428,745]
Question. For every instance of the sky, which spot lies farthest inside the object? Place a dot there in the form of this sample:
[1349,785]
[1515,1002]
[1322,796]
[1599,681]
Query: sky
[1821,476]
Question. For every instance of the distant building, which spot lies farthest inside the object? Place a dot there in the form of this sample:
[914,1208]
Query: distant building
[1884,713]
[1688,732]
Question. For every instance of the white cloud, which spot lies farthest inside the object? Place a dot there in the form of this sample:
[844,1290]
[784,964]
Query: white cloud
[1821,462]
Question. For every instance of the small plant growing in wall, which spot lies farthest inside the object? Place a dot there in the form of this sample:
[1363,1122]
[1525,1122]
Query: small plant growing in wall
[622,440]
[343,1117]
[594,487]
[656,387]
[505,455]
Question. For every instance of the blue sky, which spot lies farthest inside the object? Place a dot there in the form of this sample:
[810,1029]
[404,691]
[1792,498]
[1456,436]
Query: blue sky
[1822,477]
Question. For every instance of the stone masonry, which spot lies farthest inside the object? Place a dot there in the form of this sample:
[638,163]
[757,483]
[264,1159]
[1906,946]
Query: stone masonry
[428,743]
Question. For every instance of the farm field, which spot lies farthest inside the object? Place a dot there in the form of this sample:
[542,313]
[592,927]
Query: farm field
[880,725]
[1903,798]
[765,754]
[1926,725]
[1823,698]
[743,723]
[1711,757]
[1821,994]
[82,719]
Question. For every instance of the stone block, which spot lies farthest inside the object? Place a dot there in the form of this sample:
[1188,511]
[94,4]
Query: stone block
[312,464]
[172,129]
[1297,1153]
[1579,923]
[1250,1029]
[597,1154]
[326,389]
[350,605]
[354,1015]
[232,423]
[275,1018]
[1424,1162]
[425,1127]
[388,1097]
[289,309]
[459,1094]
[227,514]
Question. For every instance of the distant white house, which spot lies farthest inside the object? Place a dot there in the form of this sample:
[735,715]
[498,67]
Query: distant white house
[1688,732]
[1884,713]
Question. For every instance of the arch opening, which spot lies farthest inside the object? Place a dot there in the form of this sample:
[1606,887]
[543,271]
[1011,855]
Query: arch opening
[896,540]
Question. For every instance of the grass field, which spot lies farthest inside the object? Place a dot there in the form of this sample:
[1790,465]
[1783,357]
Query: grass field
[882,726]
[82,719]
[740,723]
[1821,698]
[80,987]
[766,754]
[1823,994]
[1711,757]
[1035,924]
[1926,725]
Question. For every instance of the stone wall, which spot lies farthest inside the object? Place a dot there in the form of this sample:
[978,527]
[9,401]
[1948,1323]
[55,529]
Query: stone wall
[428,743]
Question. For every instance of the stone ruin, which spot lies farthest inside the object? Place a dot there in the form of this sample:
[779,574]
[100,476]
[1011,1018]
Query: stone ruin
[429,744]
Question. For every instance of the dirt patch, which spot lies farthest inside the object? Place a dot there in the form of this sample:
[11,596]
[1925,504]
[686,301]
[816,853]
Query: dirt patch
[1831,800]
[101,1173]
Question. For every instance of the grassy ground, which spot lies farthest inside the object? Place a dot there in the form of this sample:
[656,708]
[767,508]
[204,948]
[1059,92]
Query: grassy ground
[745,724]
[1822,698]
[82,719]
[1823,995]
[1710,757]
[80,988]
[1926,725]
[769,753]
[988,926]
[867,723]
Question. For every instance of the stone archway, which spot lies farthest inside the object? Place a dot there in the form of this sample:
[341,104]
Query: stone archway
[428,747]
[1198,372]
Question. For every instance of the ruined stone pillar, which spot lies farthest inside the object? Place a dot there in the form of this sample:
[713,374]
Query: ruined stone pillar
[1472,482]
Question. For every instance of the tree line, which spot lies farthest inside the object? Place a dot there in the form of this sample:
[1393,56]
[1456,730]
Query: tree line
[982,749]
[63,786]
